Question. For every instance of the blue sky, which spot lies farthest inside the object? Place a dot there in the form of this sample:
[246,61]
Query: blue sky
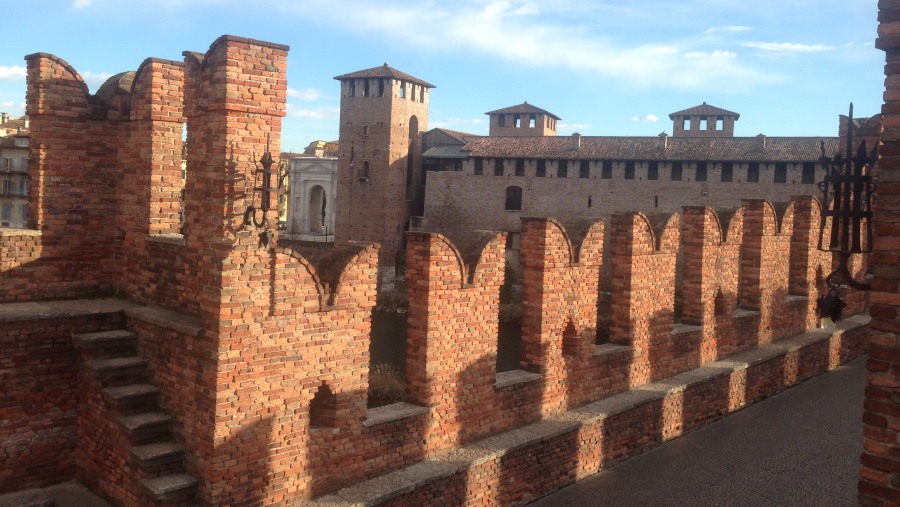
[616,67]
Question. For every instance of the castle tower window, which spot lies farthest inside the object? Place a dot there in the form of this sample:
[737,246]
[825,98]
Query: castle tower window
[809,173]
[720,123]
[685,124]
[421,94]
[629,170]
[518,120]
[353,88]
[727,171]
[501,120]
[365,130]
[479,166]
[701,172]
[584,169]
[653,170]
[402,90]
[498,167]
[513,199]
[520,167]
[606,172]
[532,121]
[541,170]
[562,169]
[780,172]
[703,124]
[753,172]
[381,87]
[676,171]
[366,88]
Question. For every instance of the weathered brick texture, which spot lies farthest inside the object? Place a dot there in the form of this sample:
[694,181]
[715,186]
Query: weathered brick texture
[879,485]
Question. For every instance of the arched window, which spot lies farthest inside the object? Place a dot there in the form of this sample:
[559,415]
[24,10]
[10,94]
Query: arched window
[323,408]
[513,199]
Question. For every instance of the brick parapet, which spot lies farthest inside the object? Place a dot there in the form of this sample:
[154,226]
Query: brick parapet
[452,339]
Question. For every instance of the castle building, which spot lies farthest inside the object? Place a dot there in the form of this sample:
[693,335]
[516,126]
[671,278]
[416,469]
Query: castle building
[383,114]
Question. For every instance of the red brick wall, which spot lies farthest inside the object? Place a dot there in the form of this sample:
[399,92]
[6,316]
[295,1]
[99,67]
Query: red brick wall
[40,399]
[452,340]
[878,484]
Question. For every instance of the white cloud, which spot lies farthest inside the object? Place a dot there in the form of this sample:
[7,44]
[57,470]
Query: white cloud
[81,4]
[507,29]
[652,118]
[308,94]
[729,29]
[320,113]
[786,47]
[12,73]
[574,127]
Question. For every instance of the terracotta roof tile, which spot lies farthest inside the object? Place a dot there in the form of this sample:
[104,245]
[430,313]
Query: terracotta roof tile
[736,149]
[384,71]
[523,108]
[704,110]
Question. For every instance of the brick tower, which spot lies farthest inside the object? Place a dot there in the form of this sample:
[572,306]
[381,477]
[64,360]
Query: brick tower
[380,184]
[703,121]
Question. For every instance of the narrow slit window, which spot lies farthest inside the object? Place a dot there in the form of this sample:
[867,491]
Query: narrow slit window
[513,199]
[701,171]
[727,171]
[753,172]
[366,88]
[676,171]
[381,87]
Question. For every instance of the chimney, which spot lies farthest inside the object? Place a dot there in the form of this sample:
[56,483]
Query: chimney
[663,140]
[4,117]
[761,141]
[576,141]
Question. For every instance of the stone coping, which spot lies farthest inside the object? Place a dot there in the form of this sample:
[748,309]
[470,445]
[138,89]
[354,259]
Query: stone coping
[741,313]
[393,412]
[12,312]
[514,377]
[170,239]
[8,231]
[608,349]
[391,485]
[684,328]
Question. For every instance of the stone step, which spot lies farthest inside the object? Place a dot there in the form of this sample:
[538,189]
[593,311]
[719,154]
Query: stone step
[117,368]
[145,427]
[117,337]
[159,453]
[132,395]
[170,486]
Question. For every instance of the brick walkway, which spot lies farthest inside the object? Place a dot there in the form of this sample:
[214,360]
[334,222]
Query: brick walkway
[799,448]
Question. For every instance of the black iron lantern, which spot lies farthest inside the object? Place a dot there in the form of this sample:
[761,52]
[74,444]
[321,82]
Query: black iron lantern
[848,185]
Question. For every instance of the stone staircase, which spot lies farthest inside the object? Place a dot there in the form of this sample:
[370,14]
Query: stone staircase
[133,403]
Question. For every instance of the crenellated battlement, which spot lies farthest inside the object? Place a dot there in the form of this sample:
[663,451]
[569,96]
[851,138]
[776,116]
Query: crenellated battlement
[262,357]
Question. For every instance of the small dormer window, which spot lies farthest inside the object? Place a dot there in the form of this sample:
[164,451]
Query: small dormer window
[518,121]
[703,123]
[532,121]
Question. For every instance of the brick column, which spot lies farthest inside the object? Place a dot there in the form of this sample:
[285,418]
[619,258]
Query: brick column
[879,483]
[643,288]
[452,339]
[700,278]
[559,308]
